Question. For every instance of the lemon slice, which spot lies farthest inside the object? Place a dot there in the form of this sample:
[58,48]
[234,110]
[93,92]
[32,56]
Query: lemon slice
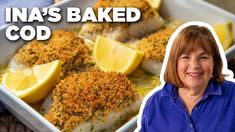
[155,3]
[225,34]
[33,84]
[111,55]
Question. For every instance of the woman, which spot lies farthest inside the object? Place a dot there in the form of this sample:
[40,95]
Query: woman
[195,96]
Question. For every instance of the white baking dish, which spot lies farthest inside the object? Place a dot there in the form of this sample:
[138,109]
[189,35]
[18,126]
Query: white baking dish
[182,10]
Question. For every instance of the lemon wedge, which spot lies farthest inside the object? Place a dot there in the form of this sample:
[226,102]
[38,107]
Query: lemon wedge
[111,55]
[155,3]
[225,34]
[33,84]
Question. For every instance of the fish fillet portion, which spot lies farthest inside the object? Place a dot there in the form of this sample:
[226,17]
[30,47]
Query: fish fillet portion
[154,47]
[150,21]
[90,100]
[65,46]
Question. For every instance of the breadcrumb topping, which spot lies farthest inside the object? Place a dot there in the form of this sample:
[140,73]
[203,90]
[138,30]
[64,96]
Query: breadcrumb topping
[111,30]
[87,96]
[154,45]
[63,45]
[145,8]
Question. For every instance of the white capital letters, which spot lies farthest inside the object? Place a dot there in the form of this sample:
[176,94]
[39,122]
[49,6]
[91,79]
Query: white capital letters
[73,14]
[9,31]
[130,17]
[40,32]
[89,15]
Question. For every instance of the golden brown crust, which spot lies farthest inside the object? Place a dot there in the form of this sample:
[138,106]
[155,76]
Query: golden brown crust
[145,8]
[87,96]
[91,30]
[63,45]
[154,45]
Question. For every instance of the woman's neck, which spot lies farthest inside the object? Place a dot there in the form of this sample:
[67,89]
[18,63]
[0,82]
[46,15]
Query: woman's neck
[190,96]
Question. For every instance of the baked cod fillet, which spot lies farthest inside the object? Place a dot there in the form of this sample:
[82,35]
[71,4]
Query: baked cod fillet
[149,22]
[154,47]
[92,101]
[65,46]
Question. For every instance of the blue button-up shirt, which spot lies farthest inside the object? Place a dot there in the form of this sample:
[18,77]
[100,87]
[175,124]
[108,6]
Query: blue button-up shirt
[215,112]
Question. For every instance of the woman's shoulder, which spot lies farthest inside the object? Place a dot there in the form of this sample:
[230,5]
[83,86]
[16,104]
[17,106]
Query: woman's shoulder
[154,95]
[228,86]
[159,93]
[152,99]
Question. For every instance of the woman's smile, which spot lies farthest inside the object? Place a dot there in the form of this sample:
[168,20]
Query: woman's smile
[194,74]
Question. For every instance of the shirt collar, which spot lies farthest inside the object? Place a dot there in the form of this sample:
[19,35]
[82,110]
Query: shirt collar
[213,88]
[169,90]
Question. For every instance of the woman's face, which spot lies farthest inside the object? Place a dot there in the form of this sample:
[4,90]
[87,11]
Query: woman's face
[195,69]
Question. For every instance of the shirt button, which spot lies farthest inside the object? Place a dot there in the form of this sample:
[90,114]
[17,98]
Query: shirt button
[191,125]
[195,108]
